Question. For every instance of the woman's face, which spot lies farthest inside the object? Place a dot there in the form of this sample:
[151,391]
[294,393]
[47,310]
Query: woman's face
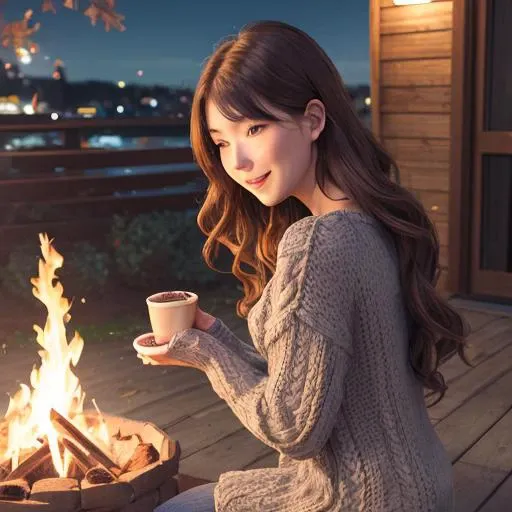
[271,159]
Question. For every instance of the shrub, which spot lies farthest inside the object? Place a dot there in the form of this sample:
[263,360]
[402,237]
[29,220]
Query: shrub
[160,250]
[22,264]
[85,270]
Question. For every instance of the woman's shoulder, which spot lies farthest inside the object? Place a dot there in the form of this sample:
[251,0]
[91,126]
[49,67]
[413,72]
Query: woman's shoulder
[325,251]
[337,229]
[320,266]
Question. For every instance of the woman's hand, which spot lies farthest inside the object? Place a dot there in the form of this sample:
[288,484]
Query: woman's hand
[203,321]
[163,360]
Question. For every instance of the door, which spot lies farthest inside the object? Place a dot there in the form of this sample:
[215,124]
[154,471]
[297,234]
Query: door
[491,212]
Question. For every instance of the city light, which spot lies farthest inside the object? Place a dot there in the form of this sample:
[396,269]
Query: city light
[368,101]
[29,110]
[54,116]
[140,72]
[87,111]
[23,55]
[120,109]
[10,105]
[121,84]
[153,103]
[9,108]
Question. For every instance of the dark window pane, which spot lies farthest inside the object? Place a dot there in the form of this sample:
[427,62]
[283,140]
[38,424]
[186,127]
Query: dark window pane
[499,69]
[496,239]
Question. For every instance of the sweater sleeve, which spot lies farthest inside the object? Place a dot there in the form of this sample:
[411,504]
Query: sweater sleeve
[292,408]
[220,331]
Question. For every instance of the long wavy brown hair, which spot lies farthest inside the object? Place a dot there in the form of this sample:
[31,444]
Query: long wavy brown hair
[272,63]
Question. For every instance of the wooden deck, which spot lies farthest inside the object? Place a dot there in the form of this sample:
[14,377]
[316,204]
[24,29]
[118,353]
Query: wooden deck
[474,420]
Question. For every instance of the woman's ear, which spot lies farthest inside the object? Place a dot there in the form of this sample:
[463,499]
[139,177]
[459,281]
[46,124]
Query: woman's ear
[314,115]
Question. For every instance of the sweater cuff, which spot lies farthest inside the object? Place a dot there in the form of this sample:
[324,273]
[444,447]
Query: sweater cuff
[216,329]
[192,346]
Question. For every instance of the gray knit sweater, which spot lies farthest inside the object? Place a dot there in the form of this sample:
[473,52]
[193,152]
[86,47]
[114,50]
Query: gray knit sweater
[329,385]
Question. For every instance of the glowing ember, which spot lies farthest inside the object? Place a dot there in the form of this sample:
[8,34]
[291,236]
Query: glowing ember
[54,385]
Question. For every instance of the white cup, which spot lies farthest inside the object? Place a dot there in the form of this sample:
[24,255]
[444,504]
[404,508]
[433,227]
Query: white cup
[169,315]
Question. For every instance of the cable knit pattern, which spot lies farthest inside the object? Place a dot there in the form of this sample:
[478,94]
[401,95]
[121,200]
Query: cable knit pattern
[220,331]
[328,384]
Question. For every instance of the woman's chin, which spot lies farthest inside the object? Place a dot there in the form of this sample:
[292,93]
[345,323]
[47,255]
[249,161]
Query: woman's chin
[269,200]
[269,203]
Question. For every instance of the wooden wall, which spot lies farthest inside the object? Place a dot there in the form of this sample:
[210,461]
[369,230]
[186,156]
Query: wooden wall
[411,48]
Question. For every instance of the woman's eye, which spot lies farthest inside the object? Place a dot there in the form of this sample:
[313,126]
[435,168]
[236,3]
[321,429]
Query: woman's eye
[253,130]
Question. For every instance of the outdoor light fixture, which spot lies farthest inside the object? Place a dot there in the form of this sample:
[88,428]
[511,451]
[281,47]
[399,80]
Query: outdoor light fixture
[411,2]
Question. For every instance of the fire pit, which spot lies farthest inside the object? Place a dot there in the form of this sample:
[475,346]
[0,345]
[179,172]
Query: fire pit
[56,457]
[142,479]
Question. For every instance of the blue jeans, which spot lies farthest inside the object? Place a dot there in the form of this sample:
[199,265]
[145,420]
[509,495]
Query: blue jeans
[197,499]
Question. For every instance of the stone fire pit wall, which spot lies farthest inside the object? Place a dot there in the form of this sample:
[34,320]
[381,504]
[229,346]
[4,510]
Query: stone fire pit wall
[137,491]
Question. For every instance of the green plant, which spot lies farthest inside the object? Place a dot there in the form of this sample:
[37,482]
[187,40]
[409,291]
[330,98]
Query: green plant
[22,264]
[160,249]
[85,269]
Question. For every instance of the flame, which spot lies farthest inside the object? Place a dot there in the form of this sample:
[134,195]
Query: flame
[54,385]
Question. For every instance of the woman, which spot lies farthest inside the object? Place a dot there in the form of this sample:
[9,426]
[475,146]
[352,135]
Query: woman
[338,265]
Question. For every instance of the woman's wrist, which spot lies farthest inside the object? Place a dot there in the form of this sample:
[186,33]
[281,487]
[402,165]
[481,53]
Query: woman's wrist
[204,321]
[214,328]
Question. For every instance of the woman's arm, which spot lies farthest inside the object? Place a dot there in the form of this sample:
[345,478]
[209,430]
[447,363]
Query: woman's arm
[246,352]
[294,407]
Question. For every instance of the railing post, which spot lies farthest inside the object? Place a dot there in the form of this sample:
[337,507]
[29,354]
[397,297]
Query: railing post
[72,138]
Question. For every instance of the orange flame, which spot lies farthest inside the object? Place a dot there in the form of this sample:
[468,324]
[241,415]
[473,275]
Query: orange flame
[54,385]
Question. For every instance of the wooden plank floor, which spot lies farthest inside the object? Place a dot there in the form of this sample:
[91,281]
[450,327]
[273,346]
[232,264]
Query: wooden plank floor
[474,420]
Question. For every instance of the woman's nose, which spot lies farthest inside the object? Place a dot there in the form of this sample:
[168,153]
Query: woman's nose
[241,159]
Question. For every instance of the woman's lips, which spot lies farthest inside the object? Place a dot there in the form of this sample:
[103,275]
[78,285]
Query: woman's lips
[257,182]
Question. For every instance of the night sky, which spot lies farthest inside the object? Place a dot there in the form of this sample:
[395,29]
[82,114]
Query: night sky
[170,39]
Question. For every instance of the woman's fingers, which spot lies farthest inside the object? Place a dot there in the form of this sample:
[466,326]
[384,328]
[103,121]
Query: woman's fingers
[163,360]
[146,360]
[203,321]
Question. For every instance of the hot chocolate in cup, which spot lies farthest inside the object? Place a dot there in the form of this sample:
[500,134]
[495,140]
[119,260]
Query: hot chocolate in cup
[171,312]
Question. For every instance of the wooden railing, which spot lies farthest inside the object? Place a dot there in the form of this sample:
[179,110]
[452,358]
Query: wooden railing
[49,190]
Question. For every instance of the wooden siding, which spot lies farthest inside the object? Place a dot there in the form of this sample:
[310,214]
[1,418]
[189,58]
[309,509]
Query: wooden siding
[432,100]
[427,17]
[411,87]
[416,73]
[421,45]
[389,3]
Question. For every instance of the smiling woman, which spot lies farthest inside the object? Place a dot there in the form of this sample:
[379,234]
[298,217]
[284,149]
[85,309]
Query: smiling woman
[339,265]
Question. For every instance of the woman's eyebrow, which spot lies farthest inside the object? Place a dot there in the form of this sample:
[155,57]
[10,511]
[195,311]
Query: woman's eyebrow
[241,122]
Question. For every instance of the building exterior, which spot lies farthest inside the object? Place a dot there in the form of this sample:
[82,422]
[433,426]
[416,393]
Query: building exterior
[442,105]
